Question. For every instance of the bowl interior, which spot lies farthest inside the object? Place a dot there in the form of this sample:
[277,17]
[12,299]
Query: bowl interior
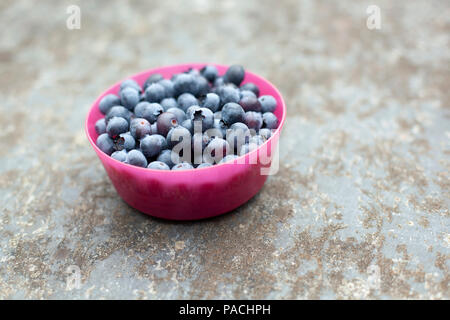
[94,114]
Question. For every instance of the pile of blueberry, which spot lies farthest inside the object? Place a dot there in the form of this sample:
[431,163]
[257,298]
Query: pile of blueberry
[194,120]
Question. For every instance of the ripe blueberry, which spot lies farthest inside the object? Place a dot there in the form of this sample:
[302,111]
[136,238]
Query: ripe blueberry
[168,87]
[129,97]
[105,143]
[119,155]
[152,112]
[186,100]
[165,122]
[211,101]
[235,74]
[188,124]
[251,87]
[249,103]
[139,128]
[155,93]
[179,114]
[232,112]
[228,94]
[136,158]
[185,83]
[168,103]
[268,103]
[158,165]
[151,146]
[265,133]
[209,72]
[168,157]
[205,116]
[130,83]
[125,141]
[107,102]
[100,126]
[116,126]
[182,166]
[253,120]
[270,120]
[154,78]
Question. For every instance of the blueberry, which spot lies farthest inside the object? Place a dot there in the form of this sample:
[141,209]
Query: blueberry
[218,115]
[228,94]
[204,165]
[190,111]
[107,102]
[168,103]
[202,86]
[140,108]
[249,103]
[100,126]
[177,135]
[154,78]
[188,124]
[130,83]
[158,165]
[119,155]
[179,114]
[211,101]
[199,142]
[209,72]
[105,143]
[216,150]
[155,93]
[116,126]
[219,82]
[205,116]
[268,103]
[129,97]
[118,111]
[251,87]
[182,166]
[136,158]
[235,74]
[258,140]
[246,148]
[165,122]
[232,112]
[168,157]
[152,112]
[237,135]
[139,128]
[125,141]
[151,146]
[247,93]
[185,83]
[253,120]
[270,120]
[265,133]
[186,100]
[228,158]
[219,129]
[168,87]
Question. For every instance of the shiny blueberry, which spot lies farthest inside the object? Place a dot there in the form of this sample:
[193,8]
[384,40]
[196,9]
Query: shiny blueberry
[140,107]
[185,83]
[118,111]
[130,83]
[228,94]
[247,93]
[249,103]
[107,102]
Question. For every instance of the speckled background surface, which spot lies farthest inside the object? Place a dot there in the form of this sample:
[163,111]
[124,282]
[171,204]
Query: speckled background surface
[359,208]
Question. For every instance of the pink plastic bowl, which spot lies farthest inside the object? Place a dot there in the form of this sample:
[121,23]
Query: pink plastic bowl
[191,194]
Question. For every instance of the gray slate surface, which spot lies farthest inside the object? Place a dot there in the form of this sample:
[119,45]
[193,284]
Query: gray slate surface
[359,208]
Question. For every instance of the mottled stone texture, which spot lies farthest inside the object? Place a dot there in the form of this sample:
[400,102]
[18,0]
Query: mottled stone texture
[359,208]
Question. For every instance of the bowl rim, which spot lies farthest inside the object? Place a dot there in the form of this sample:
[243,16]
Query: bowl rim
[183,65]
